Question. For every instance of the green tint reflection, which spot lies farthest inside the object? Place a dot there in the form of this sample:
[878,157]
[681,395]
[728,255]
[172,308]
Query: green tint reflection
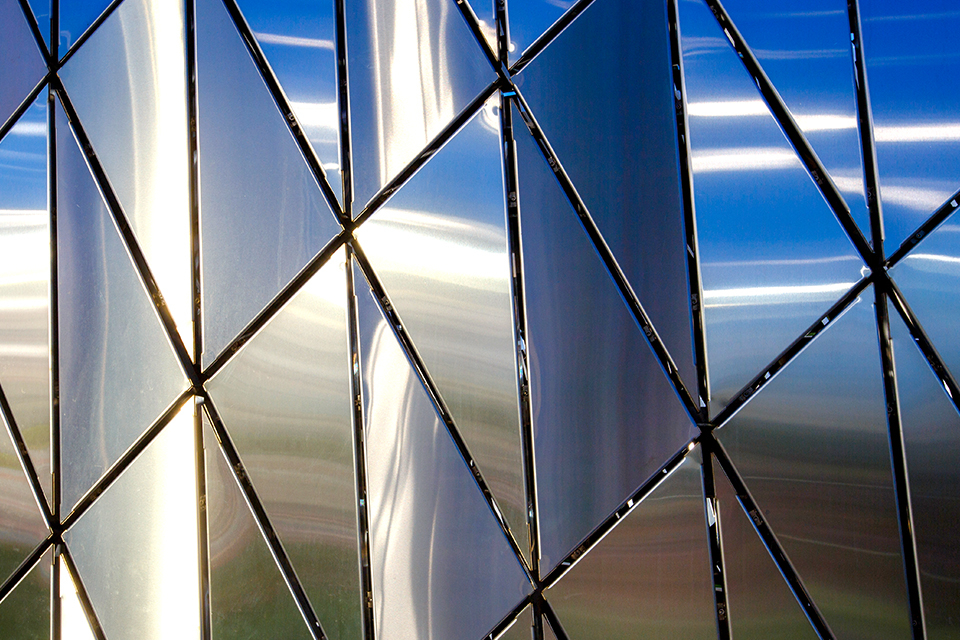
[25,612]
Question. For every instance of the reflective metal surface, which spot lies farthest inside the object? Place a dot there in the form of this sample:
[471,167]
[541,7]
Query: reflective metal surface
[530,18]
[626,174]
[41,10]
[759,601]
[118,371]
[773,257]
[440,249]
[916,125]
[136,548]
[21,523]
[285,400]
[76,16]
[128,85]
[605,417]
[262,214]
[298,39]
[413,66]
[441,566]
[248,596]
[521,629]
[73,621]
[931,433]
[650,576]
[22,65]
[24,283]
[25,612]
[812,447]
[930,279]
[804,47]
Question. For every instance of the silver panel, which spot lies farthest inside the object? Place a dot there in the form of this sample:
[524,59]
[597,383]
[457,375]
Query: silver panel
[248,596]
[916,126]
[605,416]
[285,400]
[25,283]
[21,524]
[813,449]
[76,16]
[521,629]
[22,65]
[650,576]
[931,433]
[128,85]
[441,566]
[25,612]
[626,174]
[261,212]
[930,279]
[73,621]
[136,548]
[413,66]
[118,371]
[440,248]
[298,39]
[759,601]
[804,47]
[773,257]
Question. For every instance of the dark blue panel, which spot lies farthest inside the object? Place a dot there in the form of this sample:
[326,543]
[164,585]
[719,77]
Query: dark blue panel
[76,16]
[605,416]
[530,18]
[626,174]
[22,65]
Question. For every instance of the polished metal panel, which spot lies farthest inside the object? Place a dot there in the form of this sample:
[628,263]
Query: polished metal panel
[73,620]
[76,16]
[285,400]
[773,257]
[262,214]
[136,547]
[440,248]
[812,447]
[931,434]
[910,62]
[298,39]
[413,66]
[128,85]
[118,371]
[650,576]
[627,175]
[929,277]
[21,523]
[759,601]
[530,18]
[41,10]
[248,596]
[22,65]
[804,47]
[24,283]
[605,417]
[442,567]
[521,629]
[25,612]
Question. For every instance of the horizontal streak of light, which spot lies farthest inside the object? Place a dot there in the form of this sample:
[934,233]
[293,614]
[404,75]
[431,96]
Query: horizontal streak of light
[934,257]
[947,132]
[24,351]
[317,114]
[295,41]
[745,159]
[753,108]
[772,295]
[29,129]
[23,304]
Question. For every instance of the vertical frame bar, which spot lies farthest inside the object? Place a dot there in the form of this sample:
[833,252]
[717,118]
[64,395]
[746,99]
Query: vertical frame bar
[343,103]
[714,534]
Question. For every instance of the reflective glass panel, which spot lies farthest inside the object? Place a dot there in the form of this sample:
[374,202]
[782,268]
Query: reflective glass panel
[25,283]
[650,576]
[530,18]
[298,38]
[931,434]
[76,16]
[413,66]
[521,629]
[759,601]
[910,60]
[118,371]
[25,612]
[128,85]
[804,47]
[136,548]
[440,248]
[262,215]
[773,257]
[285,400]
[441,566]
[930,279]
[248,596]
[21,524]
[627,174]
[73,620]
[41,10]
[22,64]
[605,417]
[812,446]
